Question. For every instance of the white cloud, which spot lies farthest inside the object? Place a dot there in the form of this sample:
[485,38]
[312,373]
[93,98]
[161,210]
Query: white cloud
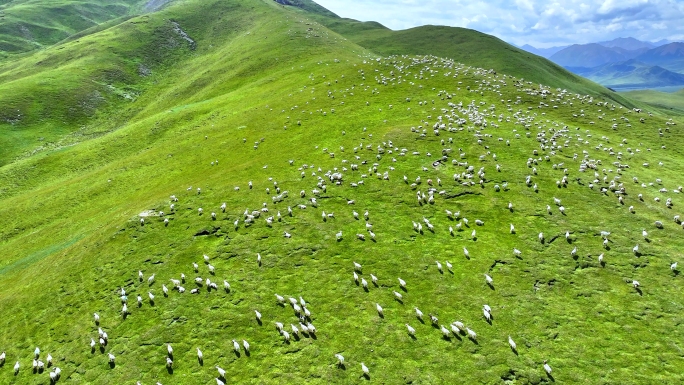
[538,22]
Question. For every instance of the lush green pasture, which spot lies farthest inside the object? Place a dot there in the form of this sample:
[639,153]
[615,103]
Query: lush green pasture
[266,96]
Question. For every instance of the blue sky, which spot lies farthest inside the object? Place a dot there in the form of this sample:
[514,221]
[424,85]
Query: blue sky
[542,23]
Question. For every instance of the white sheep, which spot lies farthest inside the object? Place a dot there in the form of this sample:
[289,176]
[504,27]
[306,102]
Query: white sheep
[512,344]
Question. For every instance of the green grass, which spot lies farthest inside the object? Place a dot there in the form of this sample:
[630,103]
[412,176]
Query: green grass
[466,46]
[28,25]
[670,103]
[71,234]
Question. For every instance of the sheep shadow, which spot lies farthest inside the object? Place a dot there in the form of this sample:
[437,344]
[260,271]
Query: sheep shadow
[169,369]
[675,272]
[200,361]
[259,322]
[152,303]
[247,353]
[237,353]
[341,366]
[404,289]
[550,377]
[400,301]
[474,340]
[296,337]
[515,351]
[491,286]
[446,338]
[648,240]
[603,264]
[638,290]
[381,315]
[102,349]
[421,320]
[413,337]
[112,365]
[366,376]
[125,315]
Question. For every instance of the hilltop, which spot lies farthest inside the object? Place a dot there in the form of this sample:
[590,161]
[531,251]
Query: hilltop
[243,142]
[466,46]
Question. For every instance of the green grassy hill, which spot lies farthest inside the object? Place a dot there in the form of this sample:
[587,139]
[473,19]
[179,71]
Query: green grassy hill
[670,103]
[465,46]
[237,102]
[26,25]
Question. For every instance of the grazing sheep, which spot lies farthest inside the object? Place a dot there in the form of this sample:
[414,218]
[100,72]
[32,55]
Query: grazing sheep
[379,309]
[374,279]
[512,344]
[398,296]
[471,334]
[445,332]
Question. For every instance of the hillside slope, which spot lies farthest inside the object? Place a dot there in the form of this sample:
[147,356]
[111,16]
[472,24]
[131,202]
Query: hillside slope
[465,46]
[672,103]
[28,25]
[256,141]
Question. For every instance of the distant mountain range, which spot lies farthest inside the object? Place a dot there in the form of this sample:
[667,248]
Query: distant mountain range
[622,62]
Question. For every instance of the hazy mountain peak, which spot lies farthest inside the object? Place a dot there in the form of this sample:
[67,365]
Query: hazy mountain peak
[628,43]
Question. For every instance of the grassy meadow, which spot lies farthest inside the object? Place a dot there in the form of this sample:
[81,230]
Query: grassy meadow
[240,99]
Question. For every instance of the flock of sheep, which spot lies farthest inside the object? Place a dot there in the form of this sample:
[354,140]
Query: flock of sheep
[351,169]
